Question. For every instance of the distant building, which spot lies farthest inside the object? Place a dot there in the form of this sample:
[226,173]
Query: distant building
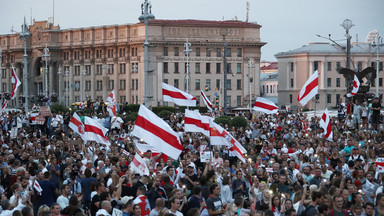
[295,67]
[269,81]
[96,60]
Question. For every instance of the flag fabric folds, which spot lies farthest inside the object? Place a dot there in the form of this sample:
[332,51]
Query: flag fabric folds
[77,125]
[157,133]
[178,97]
[356,86]
[325,123]
[265,106]
[4,106]
[111,99]
[206,101]
[195,122]
[94,131]
[310,89]
[15,83]
[139,165]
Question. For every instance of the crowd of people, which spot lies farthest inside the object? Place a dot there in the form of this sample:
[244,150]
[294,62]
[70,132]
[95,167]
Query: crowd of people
[290,168]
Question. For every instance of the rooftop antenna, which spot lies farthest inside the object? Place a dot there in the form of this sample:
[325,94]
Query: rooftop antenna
[12,30]
[247,16]
[53,9]
[31,14]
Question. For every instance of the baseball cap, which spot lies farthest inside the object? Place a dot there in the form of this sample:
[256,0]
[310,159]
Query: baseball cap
[126,199]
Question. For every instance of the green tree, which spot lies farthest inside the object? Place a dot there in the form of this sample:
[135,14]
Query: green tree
[223,120]
[239,122]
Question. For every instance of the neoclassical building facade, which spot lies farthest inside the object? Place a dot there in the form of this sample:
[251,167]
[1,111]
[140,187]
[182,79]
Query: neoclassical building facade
[88,63]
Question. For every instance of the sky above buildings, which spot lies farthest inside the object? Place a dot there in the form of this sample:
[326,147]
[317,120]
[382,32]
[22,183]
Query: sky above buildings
[286,24]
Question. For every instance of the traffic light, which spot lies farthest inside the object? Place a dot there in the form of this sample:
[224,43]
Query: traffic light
[206,87]
[217,100]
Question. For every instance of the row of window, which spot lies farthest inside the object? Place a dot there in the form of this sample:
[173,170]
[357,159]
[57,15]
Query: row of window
[98,53]
[198,65]
[359,66]
[99,85]
[99,69]
[207,86]
[269,89]
[197,52]
[338,81]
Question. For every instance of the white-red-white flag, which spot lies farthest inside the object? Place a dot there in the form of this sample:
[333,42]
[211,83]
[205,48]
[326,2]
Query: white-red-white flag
[4,106]
[34,106]
[76,124]
[206,101]
[157,133]
[139,165]
[145,147]
[265,106]
[356,86]
[111,108]
[310,89]
[125,152]
[216,133]
[195,122]
[325,123]
[178,97]
[15,83]
[36,185]
[94,131]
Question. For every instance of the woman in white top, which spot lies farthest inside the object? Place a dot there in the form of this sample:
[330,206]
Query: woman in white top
[364,116]
[226,191]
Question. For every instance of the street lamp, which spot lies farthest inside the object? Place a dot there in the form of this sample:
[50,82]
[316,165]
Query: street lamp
[187,50]
[146,15]
[134,70]
[67,74]
[250,65]
[377,43]
[224,33]
[46,56]
[24,35]
[347,24]
[60,86]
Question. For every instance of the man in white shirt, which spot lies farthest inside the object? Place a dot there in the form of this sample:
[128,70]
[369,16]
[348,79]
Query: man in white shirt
[175,204]
[63,199]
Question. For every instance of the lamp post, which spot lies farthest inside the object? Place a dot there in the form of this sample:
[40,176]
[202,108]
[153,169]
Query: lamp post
[145,16]
[67,74]
[24,35]
[250,66]
[347,24]
[134,70]
[377,44]
[224,33]
[83,73]
[60,86]
[46,56]
[187,50]
[1,70]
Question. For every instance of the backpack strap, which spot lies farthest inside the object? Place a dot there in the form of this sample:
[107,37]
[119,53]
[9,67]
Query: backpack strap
[332,212]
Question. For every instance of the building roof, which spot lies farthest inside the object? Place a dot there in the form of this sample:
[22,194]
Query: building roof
[327,48]
[206,23]
[269,76]
[272,66]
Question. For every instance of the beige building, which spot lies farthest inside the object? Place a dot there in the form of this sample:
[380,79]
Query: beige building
[269,81]
[295,67]
[95,60]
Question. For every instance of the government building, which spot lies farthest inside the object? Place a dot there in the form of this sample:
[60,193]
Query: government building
[88,63]
[296,66]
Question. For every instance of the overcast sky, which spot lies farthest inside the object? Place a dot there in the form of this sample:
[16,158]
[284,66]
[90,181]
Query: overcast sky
[286,24]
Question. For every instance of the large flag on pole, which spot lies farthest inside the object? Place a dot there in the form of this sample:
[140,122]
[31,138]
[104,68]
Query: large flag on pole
[325,123]
[157,133]
[356,85]
[111,99]
[94,131]
[194,122]
[310,89]
[178,97]
[265,106]
[206,100]
[77,125]
[15,83]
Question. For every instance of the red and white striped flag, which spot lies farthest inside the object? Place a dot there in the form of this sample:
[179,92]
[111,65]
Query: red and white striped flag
[356,85]
[139,165]
[36,185]
[125,152]
[145,147]
[265,106]
[216,133]
[178,97]
[111,108]
[94,131]
[206,101]
[310,89]
[157,133]
[4,106]
[195,122]
[76,124]
[16,83]
[325,123]
[34,106]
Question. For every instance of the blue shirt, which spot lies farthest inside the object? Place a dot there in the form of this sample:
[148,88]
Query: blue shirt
[48,194]
[85,185]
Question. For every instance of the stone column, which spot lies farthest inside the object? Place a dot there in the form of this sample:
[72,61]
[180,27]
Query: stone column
[116,78]
[256,77]
[51,79]
[93,81]
[71,84]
